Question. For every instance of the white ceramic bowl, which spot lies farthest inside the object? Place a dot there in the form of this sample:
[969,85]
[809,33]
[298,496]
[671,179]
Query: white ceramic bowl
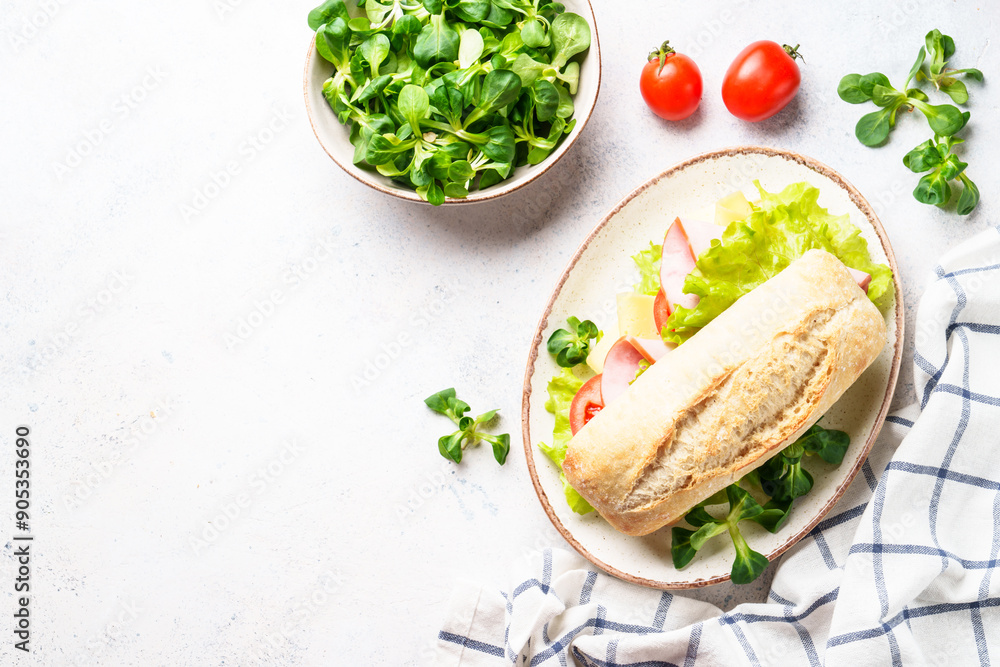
[586,290]
[335,138]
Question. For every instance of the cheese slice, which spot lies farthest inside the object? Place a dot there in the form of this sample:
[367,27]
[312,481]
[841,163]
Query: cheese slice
[730,208]
[635,315]
[599,352]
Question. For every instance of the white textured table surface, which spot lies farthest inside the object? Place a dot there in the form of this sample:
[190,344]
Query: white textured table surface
[232,463]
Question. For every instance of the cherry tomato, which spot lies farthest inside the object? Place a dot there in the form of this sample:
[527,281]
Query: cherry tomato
[670,84]
[661,309]
[762,80]
[586,404]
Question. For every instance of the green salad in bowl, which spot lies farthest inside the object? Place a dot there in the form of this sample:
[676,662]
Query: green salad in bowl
[450,101]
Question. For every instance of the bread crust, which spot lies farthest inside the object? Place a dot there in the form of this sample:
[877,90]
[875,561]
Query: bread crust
[746,386]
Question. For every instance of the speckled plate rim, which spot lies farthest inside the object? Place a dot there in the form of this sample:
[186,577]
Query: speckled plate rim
[479,195]
[865,209]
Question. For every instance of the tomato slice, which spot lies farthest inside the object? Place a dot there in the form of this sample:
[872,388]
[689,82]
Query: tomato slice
[661,310]
[586,404]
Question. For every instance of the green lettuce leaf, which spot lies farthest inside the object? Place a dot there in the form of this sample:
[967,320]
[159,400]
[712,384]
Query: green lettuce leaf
[648,263]
[782,227]
[562,388]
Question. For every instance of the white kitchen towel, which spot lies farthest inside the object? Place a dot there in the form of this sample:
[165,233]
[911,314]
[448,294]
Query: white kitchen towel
[900,573]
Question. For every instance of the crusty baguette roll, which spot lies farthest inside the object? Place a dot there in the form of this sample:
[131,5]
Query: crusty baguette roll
[740,390]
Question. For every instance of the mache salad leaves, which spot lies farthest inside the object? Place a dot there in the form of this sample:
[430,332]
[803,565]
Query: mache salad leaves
[782,227]
[446,98]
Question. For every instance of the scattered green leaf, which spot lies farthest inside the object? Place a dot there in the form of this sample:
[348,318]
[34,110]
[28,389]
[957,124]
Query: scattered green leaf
[942,166]
[782,478]
[571,346]
[685,544]
[945,120]
[452,446]
[939,49]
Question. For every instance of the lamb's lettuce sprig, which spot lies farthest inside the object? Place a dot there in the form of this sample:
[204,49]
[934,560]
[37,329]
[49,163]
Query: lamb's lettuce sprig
[873,129]
[571,346]
[451,446]
[934,155]
[782,478]
[931,65]
[748,564]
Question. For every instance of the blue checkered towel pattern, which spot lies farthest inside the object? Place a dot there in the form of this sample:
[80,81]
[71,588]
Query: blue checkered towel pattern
[900,573]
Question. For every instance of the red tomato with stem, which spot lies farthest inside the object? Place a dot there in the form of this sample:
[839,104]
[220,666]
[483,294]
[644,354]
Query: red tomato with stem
[586,404]
[761,81]
[670,84]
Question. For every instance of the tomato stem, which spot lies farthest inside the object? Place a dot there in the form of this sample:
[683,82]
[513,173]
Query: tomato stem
[793,52]
[661,53]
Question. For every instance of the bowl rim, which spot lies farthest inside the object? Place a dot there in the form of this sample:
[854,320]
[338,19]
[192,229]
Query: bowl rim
[866,209]
[480,195]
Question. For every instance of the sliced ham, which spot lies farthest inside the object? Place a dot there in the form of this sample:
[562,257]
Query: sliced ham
[652,349]
[676,264]
[861,278]
[620,368]
[700,234]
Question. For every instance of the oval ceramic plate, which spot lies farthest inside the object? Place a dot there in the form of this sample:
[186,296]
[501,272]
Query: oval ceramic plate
[603,266]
